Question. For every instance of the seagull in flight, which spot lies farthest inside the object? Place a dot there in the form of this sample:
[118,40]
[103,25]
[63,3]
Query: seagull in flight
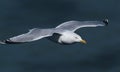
[63,33]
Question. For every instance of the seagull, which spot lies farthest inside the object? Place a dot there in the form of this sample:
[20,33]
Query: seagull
[62,34]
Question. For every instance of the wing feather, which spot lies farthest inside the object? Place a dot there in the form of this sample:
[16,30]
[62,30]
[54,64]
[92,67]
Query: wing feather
[74,25]
[32,35]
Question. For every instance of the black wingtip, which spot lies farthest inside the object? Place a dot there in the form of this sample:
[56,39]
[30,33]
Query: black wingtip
[9,42]
[105,21]
[2,42]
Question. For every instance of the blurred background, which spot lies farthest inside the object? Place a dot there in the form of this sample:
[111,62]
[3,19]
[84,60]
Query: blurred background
[101,54]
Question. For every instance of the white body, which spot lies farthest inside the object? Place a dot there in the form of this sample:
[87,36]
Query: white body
[69,37]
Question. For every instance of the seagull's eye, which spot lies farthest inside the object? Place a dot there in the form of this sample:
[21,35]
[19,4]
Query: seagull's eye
[76,37]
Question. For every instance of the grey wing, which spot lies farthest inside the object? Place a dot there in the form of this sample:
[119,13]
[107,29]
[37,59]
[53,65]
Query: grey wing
[32,35]
[74,25]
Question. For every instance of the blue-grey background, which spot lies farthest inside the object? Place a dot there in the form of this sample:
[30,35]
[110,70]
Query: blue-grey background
[101,54]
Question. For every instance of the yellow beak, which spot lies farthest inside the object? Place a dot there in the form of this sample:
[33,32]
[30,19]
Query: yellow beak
[83,41]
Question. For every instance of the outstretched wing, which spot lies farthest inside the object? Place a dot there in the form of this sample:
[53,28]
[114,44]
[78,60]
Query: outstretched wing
[32,35]
[74,25]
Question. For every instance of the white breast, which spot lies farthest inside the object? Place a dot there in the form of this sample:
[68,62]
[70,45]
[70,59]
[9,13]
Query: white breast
[67,37]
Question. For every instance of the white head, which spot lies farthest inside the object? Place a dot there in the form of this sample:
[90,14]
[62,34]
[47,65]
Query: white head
[71,37]
[77,38]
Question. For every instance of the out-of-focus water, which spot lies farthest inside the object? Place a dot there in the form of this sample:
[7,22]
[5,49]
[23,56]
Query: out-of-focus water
[101,54]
